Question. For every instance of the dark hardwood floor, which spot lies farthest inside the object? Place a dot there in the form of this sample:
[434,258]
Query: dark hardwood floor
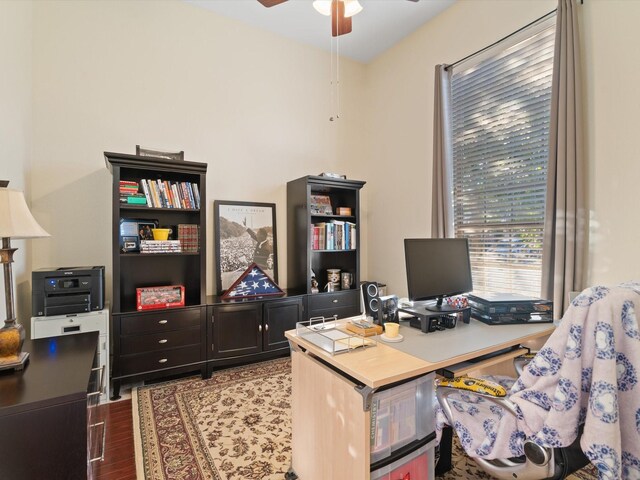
[119,461]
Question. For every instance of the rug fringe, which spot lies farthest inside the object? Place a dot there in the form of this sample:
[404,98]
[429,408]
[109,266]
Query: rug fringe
[137,436]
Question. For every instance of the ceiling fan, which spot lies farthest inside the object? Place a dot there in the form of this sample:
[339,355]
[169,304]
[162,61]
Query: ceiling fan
[341,12]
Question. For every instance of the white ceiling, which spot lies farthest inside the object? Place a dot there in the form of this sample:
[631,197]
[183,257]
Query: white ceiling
[380,25]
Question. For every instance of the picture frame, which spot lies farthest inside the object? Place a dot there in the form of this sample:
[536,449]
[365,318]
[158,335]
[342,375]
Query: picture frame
[245,233]
[132,230]
[320,205]
[148,152]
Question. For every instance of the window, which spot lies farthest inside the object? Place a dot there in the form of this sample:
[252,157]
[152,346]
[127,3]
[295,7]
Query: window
[500,129]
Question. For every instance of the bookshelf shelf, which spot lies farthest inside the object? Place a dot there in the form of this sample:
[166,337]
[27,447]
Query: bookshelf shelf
[175,183]
[344,217]
[145,208]
[346,250]
[164,254]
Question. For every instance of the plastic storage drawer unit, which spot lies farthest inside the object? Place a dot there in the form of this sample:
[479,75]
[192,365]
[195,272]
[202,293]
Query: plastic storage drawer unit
[401,415]
[418,465]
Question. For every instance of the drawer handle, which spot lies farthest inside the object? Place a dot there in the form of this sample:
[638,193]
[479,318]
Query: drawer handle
[104,436]
[164,340]
[100,390]
[162,360]
[162,322]
[335,300]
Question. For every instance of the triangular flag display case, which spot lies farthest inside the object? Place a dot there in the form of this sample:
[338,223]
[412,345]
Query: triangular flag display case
[251,284]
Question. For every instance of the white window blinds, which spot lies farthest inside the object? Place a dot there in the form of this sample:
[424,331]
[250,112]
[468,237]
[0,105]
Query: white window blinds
[500,128]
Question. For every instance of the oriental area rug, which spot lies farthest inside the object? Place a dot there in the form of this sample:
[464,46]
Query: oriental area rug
[234,426]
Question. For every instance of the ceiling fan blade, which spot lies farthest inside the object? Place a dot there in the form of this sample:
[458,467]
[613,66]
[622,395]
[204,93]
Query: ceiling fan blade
[271,3]
[340,25]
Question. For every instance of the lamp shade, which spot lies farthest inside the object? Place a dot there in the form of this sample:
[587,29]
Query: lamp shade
[16,220]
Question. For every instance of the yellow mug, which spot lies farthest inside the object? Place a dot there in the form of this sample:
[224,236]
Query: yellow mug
[391,329]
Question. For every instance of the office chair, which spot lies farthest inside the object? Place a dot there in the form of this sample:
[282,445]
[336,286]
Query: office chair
[577,400]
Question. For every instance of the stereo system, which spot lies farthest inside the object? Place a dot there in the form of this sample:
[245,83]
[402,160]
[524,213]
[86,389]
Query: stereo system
[381,309]
[67,290]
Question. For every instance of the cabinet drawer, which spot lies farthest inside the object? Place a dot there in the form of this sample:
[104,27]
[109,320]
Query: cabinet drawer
[147,362]
[343,304]
[42,327]
[160,321]
[159,341]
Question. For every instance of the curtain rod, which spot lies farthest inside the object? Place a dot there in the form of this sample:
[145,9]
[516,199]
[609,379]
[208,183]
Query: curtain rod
[448,67]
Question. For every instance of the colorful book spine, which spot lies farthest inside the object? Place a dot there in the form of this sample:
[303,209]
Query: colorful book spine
[191,197]
[174,189]
[145,189]
[189,236]
[185,194]
[167,190]
[196,192]
[331,236]
[154,193]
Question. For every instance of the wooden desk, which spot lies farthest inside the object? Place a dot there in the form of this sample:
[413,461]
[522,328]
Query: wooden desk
[46,413]
[330,414]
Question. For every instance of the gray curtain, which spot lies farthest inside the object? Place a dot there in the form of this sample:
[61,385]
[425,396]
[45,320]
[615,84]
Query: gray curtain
[441,201]
[565,235]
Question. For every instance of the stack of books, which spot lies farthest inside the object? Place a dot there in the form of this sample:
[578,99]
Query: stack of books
[129,193]
[189,237]
[333,235]
[160,246]
[165,194]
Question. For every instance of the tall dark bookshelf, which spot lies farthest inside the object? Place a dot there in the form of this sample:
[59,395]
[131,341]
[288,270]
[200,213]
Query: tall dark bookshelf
[303,258]
[154,343]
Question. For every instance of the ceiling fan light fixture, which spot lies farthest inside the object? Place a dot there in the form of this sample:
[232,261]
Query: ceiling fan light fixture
[322,6]
[351,7]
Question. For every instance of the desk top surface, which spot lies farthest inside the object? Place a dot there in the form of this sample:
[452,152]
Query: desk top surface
[58,371]
[421,353]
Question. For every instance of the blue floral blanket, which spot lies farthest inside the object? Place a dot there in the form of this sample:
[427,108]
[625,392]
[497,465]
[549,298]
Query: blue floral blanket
[586,374]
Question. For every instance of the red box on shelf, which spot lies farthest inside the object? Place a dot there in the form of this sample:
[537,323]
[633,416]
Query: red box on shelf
[151,298]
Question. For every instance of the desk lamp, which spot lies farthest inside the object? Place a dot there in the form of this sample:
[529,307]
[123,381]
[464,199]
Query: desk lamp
[16,221]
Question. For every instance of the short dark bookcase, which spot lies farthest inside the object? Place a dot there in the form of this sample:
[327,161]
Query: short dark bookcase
[157,343]
[302,258]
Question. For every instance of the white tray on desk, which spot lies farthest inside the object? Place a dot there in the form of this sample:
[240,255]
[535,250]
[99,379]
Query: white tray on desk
[330,338]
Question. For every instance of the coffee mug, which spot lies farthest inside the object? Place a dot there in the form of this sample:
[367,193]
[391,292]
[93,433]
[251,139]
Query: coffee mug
[391,329]
[333,275]
[332,287]
[347,280]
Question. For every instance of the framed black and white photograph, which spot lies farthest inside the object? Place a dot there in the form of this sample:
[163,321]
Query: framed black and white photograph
[245,233]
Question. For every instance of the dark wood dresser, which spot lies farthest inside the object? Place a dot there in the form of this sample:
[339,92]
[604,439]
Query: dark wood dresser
[48,424]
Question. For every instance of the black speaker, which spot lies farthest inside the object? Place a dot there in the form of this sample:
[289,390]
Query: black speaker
[371,300]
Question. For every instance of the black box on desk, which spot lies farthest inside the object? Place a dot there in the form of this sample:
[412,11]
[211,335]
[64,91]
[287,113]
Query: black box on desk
[510,308]
[511,318]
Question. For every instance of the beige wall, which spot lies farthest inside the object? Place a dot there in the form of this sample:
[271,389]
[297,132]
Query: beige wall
[399,106]
[110,75]
[613,102]
[15,132]
[254,106]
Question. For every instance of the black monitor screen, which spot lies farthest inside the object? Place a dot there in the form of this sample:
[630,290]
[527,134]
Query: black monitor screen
[437,268]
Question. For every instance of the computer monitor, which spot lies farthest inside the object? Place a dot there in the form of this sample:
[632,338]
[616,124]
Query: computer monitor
[437,268]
